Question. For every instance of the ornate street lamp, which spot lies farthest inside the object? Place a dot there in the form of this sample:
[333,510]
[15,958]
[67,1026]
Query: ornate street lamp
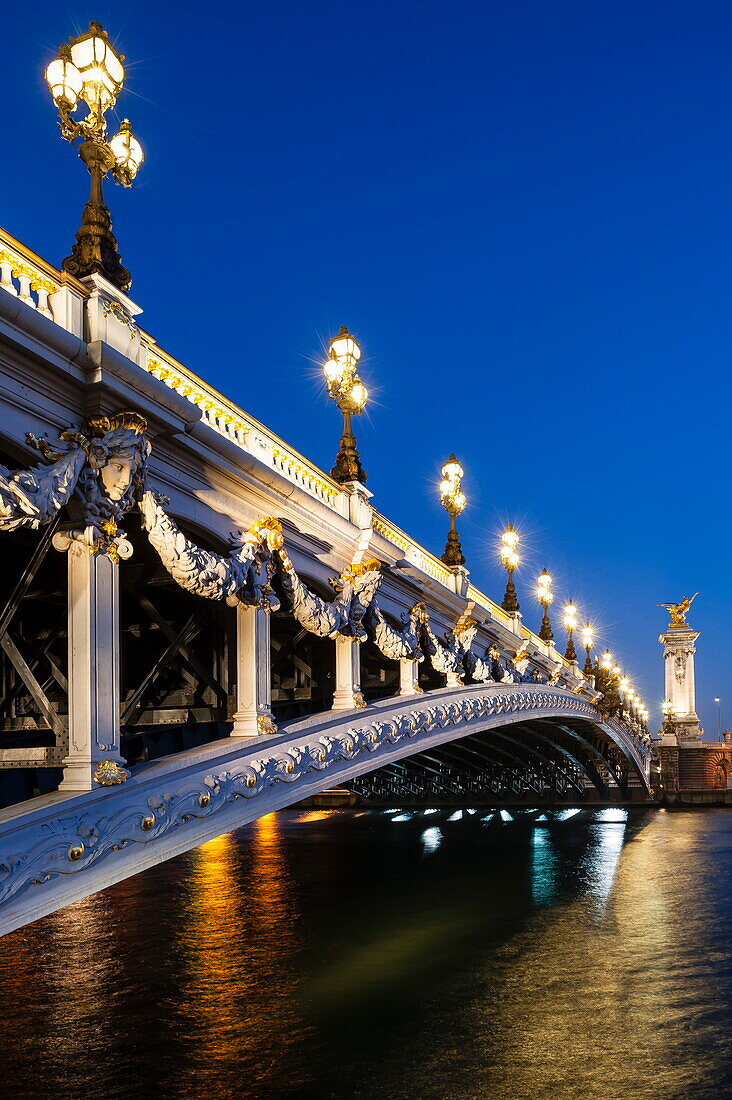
[511,561]
[453,501]
[570,625]
[588,640]
[545,597]
[88,68]
[350,395]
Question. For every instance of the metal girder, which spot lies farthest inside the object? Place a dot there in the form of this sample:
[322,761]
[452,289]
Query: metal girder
[189,658]
[26,578]
[184,635]
[37,693]
[577,736]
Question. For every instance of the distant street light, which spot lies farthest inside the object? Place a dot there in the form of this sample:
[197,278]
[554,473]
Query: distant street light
[453,501]
[89,68]
[545,597]
[718,701]
[570,625]
[350,395]
[588,641]
[511,561]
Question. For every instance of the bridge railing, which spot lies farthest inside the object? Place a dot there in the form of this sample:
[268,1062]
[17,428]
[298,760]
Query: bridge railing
[52,293]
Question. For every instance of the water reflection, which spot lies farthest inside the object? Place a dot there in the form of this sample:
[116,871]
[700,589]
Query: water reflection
[322,955]
[238,1005]
[431,839]
[543,867]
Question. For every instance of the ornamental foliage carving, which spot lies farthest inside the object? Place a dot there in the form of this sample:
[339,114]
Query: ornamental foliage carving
[242,576]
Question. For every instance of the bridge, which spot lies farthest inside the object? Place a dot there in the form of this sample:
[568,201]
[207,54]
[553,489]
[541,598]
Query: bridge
[198,625]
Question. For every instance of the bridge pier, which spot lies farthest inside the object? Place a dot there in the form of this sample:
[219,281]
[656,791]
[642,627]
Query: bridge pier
[253,715]
[409,677]
[93,628]
[347,695]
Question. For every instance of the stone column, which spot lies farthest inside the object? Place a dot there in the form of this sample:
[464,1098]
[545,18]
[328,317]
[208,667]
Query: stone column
[94,686]
[253,715]
[678,652]
[409,677]
[347,695]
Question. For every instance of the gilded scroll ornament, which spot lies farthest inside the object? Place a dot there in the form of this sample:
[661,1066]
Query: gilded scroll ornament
[109,774]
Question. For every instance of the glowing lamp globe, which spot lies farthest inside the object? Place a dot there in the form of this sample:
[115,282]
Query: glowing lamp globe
[127,151]
[332,370]
[452,470]
[64,82]
[344,349]
[100,67]
[359,394]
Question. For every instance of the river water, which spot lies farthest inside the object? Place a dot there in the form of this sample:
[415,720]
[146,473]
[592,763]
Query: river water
[339,955]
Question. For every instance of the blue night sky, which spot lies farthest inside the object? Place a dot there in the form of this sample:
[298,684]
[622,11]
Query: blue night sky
[521,208]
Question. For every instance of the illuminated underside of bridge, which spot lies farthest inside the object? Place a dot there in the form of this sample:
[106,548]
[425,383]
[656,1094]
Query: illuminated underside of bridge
[530,762]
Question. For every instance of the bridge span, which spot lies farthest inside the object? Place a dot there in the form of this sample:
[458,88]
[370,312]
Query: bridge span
[198,625]
[60,848]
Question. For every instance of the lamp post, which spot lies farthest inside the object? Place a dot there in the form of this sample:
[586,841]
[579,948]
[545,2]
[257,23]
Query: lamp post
[545,597]
[718,701]
[587,641]
[570,625]
[88,68]
[453,501]
[510,560]
[350,395]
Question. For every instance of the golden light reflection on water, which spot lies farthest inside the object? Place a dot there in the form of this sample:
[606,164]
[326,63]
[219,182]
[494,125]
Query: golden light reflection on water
[239,1002]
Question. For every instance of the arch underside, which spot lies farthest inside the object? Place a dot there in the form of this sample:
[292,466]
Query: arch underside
[529,761]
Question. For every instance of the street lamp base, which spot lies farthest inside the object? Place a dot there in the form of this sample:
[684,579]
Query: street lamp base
[96,251]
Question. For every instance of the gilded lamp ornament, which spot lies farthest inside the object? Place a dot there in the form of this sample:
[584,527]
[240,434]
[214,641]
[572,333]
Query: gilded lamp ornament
[545,597]
[453,501]
[89,70]
[510,561]
[350,395]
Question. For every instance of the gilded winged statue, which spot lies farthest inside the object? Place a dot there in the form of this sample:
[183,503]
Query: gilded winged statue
[677,611]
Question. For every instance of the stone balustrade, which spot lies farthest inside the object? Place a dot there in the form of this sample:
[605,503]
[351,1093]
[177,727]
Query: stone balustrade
[51,293]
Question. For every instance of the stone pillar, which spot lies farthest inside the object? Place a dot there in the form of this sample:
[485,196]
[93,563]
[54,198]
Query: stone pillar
[253,715]
[515,624]
[347,694]
[94,687]
[409,677]
[678,651]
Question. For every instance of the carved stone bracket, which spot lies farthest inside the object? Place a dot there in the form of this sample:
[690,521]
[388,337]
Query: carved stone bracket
[243,576]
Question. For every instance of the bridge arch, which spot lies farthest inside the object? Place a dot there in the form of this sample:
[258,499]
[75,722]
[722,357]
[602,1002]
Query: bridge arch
[167,807]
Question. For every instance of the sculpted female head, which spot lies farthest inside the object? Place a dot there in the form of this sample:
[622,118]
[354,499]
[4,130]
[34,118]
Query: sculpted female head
[118,453]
